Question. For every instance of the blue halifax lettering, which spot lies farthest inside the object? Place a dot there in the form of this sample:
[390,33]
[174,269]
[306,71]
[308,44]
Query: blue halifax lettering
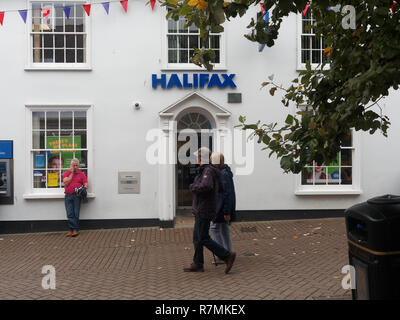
[174,81]
[162,81]
[198,81]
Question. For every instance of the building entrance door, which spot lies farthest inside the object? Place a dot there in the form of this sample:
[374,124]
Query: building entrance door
[186,172]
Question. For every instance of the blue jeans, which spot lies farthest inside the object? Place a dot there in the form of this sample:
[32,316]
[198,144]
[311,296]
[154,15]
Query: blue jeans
[201,238]
[73,206]
[221,234]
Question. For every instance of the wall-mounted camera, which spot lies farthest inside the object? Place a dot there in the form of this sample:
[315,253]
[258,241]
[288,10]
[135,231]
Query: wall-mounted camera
[137,105]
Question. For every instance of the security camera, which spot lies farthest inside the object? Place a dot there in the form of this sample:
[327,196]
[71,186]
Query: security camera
[137,105]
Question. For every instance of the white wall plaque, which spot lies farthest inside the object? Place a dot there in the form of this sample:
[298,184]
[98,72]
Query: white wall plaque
[128,182]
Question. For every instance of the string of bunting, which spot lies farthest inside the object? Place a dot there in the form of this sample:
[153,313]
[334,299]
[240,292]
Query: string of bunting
[67,10]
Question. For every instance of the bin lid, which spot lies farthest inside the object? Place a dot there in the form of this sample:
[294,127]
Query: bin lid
[386,199]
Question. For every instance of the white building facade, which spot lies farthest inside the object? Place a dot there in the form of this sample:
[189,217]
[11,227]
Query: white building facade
[115,89]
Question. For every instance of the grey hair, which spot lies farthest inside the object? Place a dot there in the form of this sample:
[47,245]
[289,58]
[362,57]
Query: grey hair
[75,160]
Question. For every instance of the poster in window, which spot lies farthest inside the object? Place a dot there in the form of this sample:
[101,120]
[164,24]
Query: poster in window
[62,159]
[40,160]
[52,179]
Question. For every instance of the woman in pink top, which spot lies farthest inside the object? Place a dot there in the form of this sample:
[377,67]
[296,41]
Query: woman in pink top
[73,178]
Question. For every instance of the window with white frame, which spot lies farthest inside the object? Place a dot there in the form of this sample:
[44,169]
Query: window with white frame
[58,136]
[339,172]
[58,40]
[182,41]
[311,48]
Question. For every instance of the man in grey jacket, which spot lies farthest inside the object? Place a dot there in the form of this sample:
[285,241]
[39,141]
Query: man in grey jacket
[205,191]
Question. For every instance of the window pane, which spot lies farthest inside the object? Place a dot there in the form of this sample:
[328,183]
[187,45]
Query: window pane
[216,59]
[59,55]
[80,119]
[79,12]
[347,176]
[305,42]
[53,179]
[80,139]
[67,156]
[59,41]
[37,41]
[204,43]
[183,42]
[48,55]
[346,157]
[183,56]
[48,41]
[316,43]
[181,28]
[305,56]
[80,27]
[172,56]
[70,41]
[54,162]
[66,140]
[59,25]
[39,159]
[83,161]
[348,141]
[81,55]
[52,120]
[70,56]
[69,24]
[38,120]
[333,175]
[81,41]
[172,42]
[36,17]
[214,42]
[38,139]
[320,175]
[307,176]
[172,26]
[59,11]
[316,56]
[52,140]
[66,119]
[39,178]
[193,42]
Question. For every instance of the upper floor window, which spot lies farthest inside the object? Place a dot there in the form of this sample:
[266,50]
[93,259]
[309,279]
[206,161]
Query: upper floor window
[58,40]
[310,47]
[181,43]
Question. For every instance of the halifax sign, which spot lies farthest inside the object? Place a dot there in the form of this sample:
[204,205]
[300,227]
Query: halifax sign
[201,80]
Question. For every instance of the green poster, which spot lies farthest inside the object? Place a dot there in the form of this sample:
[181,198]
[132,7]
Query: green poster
[53,157]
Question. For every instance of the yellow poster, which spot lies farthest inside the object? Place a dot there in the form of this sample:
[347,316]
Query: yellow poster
[52,180]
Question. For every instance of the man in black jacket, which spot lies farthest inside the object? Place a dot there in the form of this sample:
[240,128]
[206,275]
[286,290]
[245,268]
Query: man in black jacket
[205,191]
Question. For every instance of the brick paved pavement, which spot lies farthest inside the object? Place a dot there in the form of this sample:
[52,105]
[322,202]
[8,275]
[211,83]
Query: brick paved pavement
[299,259]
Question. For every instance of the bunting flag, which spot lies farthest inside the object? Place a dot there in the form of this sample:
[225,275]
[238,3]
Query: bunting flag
[106,6]
[46,13]
[23,14]
[152,3]
[125,5]
[262,45]
[67,11]
[1,17]
[87,8]
[306,8]
[262,8]
[391,9]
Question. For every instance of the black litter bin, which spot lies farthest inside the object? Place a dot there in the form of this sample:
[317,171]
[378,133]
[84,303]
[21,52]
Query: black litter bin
[373,231]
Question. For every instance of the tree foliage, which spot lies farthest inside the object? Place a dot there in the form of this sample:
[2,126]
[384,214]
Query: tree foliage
[364,65]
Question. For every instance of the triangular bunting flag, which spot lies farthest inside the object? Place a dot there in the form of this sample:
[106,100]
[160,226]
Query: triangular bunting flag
[125,5]
[152,3]
[306,8]
[1,17]
[262,8]
[67,11]
[23,14]
[106,6]
[46,12]
[87,8]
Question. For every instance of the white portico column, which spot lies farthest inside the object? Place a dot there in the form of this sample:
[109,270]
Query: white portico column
[223,141]
[166,173]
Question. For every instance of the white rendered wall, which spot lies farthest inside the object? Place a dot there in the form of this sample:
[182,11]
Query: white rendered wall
[126,51]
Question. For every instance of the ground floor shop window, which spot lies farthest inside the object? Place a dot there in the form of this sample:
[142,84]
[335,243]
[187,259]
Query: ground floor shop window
[57,136]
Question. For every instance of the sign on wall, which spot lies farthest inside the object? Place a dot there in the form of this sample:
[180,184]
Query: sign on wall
[196,80]
[128,182]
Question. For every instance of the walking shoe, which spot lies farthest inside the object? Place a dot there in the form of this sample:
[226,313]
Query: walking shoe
[74,233]
[229,262]
[193,268]
[69,233]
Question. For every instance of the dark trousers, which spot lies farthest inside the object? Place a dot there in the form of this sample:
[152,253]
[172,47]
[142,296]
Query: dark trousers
[73,206]
[201,238]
